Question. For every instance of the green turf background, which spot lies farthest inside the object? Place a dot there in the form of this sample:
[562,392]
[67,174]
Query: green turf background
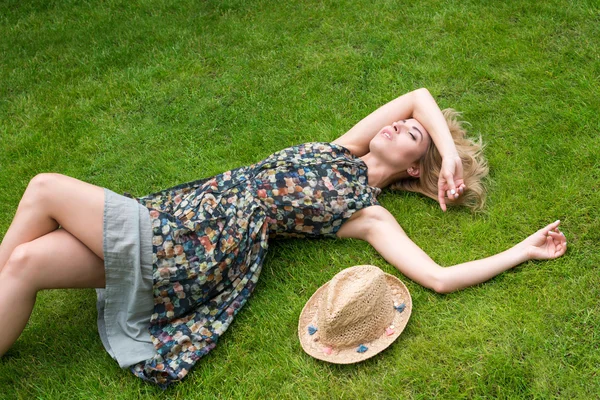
[141,95]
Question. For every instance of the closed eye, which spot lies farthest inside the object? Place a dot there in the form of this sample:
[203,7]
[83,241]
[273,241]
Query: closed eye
[413,136]
[420,133]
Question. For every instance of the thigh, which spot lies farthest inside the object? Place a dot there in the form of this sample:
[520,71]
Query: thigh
[78,207]
[58,260]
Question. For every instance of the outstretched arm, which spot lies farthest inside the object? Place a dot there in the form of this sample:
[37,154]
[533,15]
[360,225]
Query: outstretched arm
[418,104]
[377,226]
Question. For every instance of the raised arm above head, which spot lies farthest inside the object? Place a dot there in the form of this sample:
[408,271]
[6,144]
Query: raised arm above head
[378,226]
[418,104]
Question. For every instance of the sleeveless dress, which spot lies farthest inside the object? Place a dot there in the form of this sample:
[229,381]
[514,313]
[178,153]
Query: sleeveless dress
[209,240]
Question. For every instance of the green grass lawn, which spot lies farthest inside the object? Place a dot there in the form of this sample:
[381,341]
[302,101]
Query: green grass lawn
[141,95]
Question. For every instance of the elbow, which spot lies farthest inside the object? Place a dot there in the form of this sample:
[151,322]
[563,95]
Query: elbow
[441,288]
[422,93]
[439,282]
[422,100]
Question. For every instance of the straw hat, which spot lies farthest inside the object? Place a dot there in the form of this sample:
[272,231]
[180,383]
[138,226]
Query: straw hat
[357,314]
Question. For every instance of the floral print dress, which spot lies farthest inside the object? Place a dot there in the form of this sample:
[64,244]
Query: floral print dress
[210,239]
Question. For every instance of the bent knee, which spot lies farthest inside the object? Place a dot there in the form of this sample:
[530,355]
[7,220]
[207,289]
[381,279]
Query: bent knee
[39,189]
[42,183]
[20,265]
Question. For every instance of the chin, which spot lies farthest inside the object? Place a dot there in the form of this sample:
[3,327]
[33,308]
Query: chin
[379,144]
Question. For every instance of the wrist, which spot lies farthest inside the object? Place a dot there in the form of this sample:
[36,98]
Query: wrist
[451,155]
[521,253]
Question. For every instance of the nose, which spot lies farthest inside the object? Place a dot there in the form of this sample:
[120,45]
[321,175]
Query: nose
[397,126]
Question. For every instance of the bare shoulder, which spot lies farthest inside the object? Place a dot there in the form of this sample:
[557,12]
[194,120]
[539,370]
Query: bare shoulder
[358,226]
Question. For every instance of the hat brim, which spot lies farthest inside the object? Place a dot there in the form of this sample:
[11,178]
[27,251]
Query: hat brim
[313,347]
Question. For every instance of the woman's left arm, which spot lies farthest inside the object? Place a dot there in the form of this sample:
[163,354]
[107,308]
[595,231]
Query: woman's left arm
[378,226]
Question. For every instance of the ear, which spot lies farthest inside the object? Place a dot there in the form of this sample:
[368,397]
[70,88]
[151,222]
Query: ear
[413,171]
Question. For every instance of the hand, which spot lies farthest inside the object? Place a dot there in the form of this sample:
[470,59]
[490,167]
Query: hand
[450,181]
[547,243]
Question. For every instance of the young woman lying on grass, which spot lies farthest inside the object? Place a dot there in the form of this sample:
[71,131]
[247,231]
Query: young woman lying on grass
[173,268]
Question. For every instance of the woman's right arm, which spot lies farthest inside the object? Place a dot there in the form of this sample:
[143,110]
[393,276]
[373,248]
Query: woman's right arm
[418,104]
[378,226]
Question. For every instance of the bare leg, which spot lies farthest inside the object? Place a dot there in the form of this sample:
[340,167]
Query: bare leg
[34,255]
[53,261]
[51,200]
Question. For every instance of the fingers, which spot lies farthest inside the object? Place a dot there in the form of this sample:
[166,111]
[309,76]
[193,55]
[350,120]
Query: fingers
[557,239]
[550,244]
[454,194]
[559,249]
[557,236]
[451,187]
[448,188]
[451,194]
[441,198]
[545,230]
[459,190]
[450,180]
[456,188]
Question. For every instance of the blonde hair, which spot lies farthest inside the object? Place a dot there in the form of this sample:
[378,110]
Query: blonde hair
[474,165]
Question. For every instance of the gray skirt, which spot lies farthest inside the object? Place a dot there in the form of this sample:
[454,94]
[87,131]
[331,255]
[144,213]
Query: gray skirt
[126,303]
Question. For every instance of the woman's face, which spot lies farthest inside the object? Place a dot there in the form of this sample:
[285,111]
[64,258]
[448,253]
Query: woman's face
[401,144]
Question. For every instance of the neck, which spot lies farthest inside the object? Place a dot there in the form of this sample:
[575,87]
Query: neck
[381,175]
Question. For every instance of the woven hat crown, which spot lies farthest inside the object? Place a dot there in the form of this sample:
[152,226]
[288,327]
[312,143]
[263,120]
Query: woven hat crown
[356,307]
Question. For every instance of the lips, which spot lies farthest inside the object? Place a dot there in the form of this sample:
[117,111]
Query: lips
[386,134]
